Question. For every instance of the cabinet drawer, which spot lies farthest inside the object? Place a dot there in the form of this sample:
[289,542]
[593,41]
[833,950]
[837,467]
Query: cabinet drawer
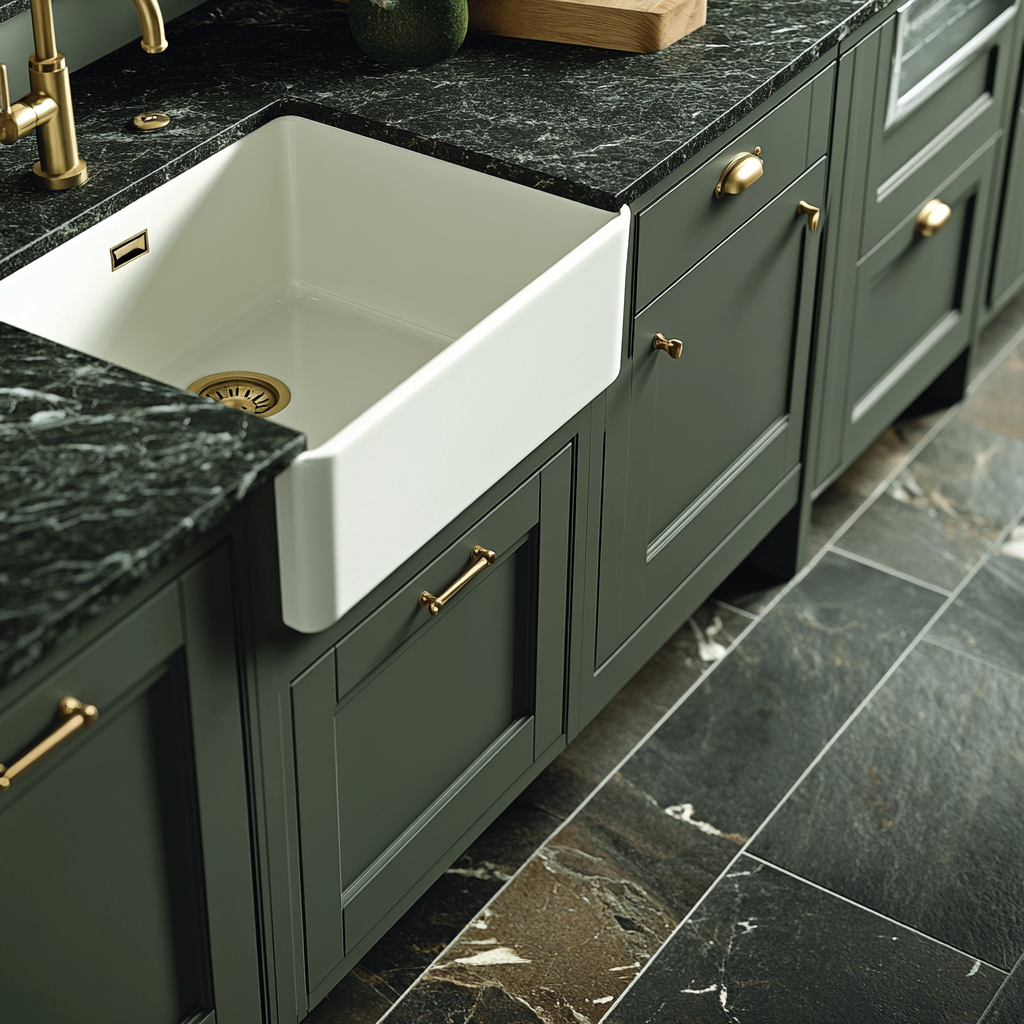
[416,723]
[914,306]
[911,156]
[688,221]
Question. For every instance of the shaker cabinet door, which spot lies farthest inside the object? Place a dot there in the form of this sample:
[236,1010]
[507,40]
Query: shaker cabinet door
[111,911]
[915,304]
[716,430]
[417,723]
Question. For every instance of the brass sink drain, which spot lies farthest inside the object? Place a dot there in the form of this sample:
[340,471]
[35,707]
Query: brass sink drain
[258,393]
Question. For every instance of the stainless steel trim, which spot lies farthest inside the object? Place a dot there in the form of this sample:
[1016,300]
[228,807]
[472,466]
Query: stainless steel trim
[900,106]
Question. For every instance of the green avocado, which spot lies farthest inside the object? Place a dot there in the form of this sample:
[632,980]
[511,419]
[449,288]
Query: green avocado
[409,33]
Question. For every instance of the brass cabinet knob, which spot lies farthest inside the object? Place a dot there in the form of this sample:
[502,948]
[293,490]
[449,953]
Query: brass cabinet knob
[673,346]
[813,214]
[740,173]
[932,219]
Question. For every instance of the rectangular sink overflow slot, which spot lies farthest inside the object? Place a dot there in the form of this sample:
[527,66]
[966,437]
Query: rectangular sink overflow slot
[130,249]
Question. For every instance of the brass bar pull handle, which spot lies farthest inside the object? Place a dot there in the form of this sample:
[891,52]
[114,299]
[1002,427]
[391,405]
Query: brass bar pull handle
[673,346]
[480,559]
[932,219]
[740,173]
[75,715]
[812,212]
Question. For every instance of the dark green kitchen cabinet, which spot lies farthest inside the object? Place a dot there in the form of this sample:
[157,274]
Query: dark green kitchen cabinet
[414,729]
[914,306]
[901,303]
[126,892]
[717,432]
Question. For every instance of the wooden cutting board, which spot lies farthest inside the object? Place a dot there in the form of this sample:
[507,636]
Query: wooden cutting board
[638,26]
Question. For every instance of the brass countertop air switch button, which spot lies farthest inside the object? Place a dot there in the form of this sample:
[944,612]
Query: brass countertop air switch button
[813,214]
[673,346]
[479,559]
[46,108]
[740,173]
[74,714]
[151,121]
[932,219]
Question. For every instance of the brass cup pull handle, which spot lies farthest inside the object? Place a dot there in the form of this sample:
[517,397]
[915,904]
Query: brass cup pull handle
[673,346]
[740,173]
[812,212]
[932,219]
[479,559]
[76,715]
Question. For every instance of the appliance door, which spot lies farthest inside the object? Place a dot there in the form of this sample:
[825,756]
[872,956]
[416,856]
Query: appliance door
[933,39]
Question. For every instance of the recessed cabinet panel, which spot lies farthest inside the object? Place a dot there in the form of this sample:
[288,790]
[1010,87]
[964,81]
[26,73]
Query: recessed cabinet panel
[98,868]
[715,430]
[914,306]
[434,708]
[418,722]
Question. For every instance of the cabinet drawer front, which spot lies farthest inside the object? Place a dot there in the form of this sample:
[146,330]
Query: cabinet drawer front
[688,222]
[914,305]
[922,149]
[416,724]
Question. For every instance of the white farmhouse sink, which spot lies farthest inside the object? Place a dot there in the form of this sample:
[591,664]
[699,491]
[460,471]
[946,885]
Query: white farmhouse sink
[433,323]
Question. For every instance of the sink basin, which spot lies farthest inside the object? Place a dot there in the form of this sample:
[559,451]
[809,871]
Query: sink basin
[434,325]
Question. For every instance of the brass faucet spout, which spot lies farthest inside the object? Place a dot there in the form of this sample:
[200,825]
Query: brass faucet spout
[46,109]
[42,30]
[151,21]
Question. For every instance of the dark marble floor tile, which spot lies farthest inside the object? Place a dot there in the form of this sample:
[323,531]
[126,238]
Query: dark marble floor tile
[998,402]
[835,506]
[637,707]
[920,533]
[1008,1005]
[974,471]
[402,955]
[987,618]
[917,811]
[735,746]
[566,937]
[767,948]
[409,947]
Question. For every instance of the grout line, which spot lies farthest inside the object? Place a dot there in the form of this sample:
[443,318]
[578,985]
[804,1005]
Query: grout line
[739,611]
[908,650]
[876,913]
[995,362]
[905,576]
[947,646]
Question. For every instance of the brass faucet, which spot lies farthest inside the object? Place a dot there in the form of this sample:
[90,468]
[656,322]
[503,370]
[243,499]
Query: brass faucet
[46,110]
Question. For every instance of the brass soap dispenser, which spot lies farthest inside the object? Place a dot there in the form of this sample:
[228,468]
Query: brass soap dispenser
[46,110]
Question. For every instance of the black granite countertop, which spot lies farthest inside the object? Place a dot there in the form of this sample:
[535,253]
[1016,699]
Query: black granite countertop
[98,475]
[106,476]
